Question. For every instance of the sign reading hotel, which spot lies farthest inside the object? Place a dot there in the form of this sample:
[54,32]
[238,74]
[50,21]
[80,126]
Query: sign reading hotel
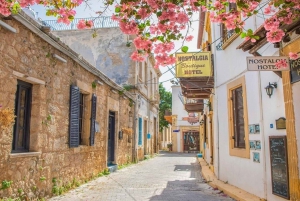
[266,63]
[197,64]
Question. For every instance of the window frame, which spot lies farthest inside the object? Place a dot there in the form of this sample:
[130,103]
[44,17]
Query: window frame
[235,151]
[28,99]
[145,74]
[140,71]
[81,116]
[225,39]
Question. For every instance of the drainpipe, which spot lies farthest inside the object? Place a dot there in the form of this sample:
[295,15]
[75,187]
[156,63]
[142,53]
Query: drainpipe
[217,108]
[263,141]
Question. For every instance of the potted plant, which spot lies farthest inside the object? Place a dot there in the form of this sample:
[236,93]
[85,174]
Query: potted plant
[169,145]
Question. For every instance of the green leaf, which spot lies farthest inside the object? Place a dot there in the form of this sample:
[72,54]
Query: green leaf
[256,37]
[117,9]
[237,30]
[71,17]
[16,7]
[197,4]
[243,35]
[185,49]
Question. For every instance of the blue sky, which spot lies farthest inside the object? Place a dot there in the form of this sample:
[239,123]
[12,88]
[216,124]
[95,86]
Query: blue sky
[85,11]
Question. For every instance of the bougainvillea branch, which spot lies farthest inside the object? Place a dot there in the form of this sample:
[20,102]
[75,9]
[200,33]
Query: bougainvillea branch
[158,23]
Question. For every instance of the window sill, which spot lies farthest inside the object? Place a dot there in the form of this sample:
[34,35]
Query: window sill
[240,152]
[23,155]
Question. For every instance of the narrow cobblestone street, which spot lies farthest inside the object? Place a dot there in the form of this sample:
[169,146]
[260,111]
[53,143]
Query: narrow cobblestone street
[166,177]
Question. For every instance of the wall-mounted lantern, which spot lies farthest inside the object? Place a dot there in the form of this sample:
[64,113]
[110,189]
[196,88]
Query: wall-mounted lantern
[270,88]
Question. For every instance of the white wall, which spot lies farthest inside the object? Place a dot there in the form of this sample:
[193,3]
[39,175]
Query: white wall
[230,64]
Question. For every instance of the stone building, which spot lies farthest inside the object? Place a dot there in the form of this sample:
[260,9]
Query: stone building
[68,114]
[110,50]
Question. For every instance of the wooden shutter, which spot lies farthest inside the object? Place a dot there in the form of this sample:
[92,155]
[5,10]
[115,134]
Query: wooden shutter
[140,131]
[74,116]
[93,119]
[238,118]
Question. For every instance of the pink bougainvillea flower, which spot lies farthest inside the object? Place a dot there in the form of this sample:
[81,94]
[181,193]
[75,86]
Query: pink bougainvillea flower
[281,64]
[138,56]
[189,38]
[84,24]
[275,36]
[293,55]
[129,28]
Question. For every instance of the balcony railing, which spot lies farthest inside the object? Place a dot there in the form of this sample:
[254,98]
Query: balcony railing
[227,39]
[99,22]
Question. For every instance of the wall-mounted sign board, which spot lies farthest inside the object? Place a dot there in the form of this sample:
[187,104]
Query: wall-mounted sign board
[279,166]
[193,64]
[281,123]
[266,63]
[295,70]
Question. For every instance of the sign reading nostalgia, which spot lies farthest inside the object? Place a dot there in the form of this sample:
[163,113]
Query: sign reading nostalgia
[266,63]
[197,64]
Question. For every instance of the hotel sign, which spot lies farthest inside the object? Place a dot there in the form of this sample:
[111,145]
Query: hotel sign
[197,64]
[266,63]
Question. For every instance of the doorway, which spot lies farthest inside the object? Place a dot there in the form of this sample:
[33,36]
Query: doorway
[191,141]
[111,138]
[145,138]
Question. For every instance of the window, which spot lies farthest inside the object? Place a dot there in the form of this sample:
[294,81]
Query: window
[151,85]
[146,72]
[21,132]
[140,142]
[238,119]
[82,118]
[227,36]
[141,70]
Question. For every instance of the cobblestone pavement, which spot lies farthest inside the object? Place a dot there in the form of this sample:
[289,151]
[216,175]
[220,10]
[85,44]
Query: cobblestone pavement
[166,177]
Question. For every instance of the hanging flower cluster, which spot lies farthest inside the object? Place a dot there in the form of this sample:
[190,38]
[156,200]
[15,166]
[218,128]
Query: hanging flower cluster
[158,23]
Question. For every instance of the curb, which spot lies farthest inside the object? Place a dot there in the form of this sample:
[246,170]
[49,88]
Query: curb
[232,191]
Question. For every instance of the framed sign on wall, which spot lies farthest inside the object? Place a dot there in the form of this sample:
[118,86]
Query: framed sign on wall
[279,166]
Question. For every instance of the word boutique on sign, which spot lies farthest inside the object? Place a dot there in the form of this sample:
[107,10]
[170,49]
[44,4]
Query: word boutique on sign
[191,64]
[266,63]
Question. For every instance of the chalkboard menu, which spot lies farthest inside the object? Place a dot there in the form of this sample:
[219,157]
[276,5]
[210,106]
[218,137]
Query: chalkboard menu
[295,70]
[279,166]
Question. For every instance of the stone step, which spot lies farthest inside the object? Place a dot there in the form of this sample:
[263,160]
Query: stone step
[112,168]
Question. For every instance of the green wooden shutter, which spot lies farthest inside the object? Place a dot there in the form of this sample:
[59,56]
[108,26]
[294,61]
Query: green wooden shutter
[74,117]
[93,119]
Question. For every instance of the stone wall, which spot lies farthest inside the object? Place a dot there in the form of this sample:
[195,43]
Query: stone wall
[28,57]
